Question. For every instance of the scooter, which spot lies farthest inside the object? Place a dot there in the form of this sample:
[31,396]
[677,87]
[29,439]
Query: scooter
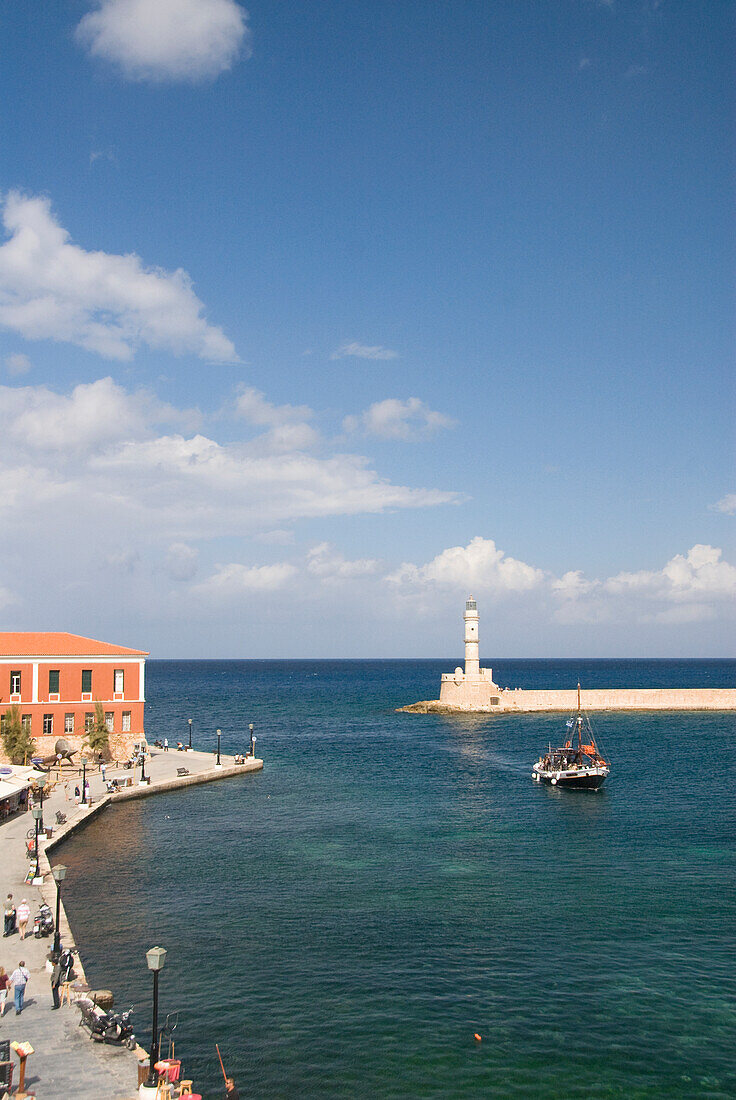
[66,962]
[107,1027]
[43,922]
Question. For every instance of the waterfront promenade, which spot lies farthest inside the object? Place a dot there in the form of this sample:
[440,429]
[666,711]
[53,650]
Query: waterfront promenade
[66,1062]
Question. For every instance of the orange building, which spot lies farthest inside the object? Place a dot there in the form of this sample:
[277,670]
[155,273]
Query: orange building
[56,679]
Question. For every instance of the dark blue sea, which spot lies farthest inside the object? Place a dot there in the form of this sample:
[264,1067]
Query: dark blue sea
[343,922]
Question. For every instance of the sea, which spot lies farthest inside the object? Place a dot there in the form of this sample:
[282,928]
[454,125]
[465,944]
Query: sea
[348,922]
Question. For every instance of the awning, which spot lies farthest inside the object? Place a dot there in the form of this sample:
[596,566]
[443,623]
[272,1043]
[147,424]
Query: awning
[10,787]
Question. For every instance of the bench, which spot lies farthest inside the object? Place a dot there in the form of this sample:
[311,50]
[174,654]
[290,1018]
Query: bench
[182,771]
[60,818]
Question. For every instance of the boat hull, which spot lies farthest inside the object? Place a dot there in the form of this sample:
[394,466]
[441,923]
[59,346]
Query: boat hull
[589,780]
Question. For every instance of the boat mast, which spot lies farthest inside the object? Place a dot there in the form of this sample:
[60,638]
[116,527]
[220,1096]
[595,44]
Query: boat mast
[580,728]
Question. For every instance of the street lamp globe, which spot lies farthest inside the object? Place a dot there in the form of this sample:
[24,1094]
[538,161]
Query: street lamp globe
[37,813]
[155,958]
[59,872]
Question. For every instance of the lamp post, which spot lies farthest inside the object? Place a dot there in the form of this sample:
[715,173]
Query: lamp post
[41,783]
[252,738]
[37,811]
[190,732]
[84,782]
[59,874]
[155,959]
[219,763]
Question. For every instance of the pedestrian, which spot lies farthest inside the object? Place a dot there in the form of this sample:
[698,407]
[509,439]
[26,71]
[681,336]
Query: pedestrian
[9,916]
[4,987]
[77,794]
[103,772]
[55,983]
[19,980]
[66,792]
[86,792]
[166,744]
[231,1089]
[23,915]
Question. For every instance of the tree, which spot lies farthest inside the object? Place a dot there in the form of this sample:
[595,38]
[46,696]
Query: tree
[98,738]
[17,741]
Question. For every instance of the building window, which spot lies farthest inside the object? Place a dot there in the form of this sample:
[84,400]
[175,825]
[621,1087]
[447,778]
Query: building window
[53,681]
[25,722]
[86,681]
[89,722]
[68,723]
[126,721]
[15,683]
[109,720]
[119,680]
[48,725]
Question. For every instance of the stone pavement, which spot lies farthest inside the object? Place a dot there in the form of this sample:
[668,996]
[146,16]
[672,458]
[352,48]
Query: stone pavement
[66,1062]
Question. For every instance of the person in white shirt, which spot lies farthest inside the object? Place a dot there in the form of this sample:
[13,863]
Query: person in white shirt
[23,915]
[19,980]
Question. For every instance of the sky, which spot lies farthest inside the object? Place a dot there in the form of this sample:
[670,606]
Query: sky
[316,318]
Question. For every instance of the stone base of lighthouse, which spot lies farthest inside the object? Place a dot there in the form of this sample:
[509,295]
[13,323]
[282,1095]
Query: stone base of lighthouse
[472,691]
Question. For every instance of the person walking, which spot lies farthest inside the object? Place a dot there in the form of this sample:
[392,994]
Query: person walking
[86,792]
[77,794]
[23,915]
[4,987]
[103,771]
[166,744]
[9,916]
[19,980]
[55,983]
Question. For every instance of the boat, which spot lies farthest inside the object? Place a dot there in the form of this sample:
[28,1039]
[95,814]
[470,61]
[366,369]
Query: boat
[578,764]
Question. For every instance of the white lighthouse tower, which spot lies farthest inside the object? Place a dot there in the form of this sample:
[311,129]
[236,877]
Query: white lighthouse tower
[472,659]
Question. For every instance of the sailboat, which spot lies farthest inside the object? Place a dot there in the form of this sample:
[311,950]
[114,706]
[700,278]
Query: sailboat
[578,763]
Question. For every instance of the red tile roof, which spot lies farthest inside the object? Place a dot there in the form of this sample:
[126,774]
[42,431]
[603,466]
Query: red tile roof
[47,643]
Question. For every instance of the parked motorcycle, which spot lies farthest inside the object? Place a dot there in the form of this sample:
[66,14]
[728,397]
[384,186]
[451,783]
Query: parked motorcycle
[43,922]
[66,962]
[107,1027]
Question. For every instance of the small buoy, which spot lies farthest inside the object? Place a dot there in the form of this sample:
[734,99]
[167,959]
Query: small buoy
[478,1037]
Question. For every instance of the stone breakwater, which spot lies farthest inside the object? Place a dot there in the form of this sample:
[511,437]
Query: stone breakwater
[505,700]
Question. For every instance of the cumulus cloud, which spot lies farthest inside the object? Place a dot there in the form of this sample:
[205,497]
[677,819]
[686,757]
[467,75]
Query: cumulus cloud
[395,419]
[479,566]
[99,450]
[326,562]
[688,588]
[17,363]
[106,303]
[727,504]
[287,425]
[167,40]
[363,351]
[93,416]
[233,580]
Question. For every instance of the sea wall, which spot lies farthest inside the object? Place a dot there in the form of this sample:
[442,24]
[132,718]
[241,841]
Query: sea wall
[476,697]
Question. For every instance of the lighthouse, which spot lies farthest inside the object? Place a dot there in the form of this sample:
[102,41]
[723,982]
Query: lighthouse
[472,661]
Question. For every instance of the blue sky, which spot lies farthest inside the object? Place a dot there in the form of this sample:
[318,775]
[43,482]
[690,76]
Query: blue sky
[315,317]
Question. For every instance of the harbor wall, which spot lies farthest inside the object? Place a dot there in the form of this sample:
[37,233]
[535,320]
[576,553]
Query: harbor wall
[463,695]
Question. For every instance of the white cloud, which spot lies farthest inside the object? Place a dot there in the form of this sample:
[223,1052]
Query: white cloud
[479,566]
[94,416]
[233,580]
[252,405]
[363,351]
[326,562]
[17,363]
[167,40]
[288,429]
[98,451]
[727,504]
[105,303]
[688,588]
[395,419]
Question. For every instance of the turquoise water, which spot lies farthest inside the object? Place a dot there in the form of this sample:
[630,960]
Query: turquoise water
[343,922]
